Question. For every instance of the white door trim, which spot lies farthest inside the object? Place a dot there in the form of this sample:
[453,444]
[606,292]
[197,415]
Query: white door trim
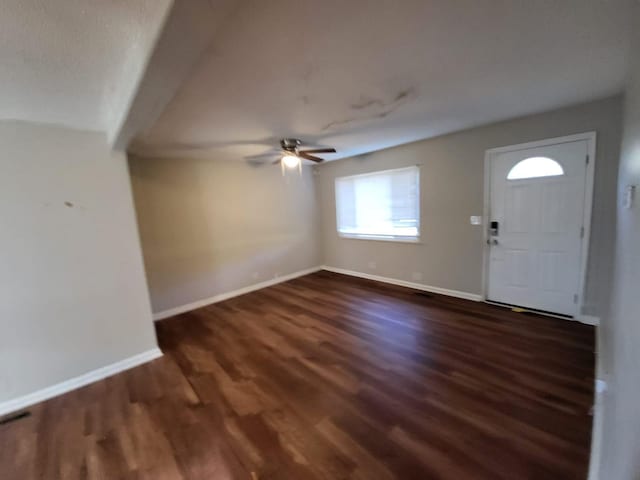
[590,137]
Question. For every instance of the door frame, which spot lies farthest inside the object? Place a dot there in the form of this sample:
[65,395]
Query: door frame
[490,154]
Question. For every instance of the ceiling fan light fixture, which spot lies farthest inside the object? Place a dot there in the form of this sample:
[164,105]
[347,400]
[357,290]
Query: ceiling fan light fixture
[290,161]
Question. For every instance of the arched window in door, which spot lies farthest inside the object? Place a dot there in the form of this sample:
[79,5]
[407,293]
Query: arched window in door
[534,167]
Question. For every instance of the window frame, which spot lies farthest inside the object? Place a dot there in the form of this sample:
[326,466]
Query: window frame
[382,237]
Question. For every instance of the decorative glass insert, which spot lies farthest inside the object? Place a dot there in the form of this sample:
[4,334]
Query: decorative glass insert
[534,167]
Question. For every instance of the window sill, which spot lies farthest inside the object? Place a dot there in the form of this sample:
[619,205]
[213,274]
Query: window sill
[380,238]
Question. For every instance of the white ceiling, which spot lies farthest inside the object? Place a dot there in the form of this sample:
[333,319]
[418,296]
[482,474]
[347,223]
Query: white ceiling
[74,62]
[362,75]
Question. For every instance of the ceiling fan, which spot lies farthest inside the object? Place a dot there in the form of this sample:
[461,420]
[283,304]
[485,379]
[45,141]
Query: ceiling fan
[292,155]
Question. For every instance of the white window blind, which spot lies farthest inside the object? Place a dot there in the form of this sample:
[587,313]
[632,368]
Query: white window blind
[381,205]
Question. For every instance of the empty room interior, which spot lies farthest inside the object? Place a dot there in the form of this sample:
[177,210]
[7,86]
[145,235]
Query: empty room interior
[304,239]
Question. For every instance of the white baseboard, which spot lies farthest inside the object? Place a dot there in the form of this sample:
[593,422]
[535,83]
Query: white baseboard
[405,283]
[600,388]
[77,382]
[596,438]
[588,319]
[235,293]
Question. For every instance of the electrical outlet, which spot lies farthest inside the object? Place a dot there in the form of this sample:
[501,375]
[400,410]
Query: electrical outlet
[372,265]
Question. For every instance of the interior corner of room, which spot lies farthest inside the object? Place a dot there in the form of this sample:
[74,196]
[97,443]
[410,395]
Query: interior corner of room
[201,216]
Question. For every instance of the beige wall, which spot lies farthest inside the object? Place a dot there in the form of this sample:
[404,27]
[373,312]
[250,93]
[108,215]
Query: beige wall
[210,227]
[450,253]
[620,442]
[73,296]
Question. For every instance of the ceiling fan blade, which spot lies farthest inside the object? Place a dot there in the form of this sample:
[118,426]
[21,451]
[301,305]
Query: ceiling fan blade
[310,157]
[319,150]
[263,156]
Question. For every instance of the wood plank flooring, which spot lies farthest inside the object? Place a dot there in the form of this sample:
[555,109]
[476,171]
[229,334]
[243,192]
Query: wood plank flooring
[328,377]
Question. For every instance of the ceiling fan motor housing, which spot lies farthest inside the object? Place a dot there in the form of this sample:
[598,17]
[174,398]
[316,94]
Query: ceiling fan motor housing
[290,144]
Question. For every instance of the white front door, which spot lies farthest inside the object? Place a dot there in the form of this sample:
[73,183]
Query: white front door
[537,202]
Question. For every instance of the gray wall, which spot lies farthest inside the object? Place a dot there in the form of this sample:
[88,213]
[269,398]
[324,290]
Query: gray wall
[73,296]
[210,227]
[452,168]
[620,442]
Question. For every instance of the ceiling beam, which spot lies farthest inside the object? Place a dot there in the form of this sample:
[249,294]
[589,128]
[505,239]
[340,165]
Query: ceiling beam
[188,32]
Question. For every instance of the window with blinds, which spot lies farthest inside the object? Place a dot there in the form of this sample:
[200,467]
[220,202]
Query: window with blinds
[381,205]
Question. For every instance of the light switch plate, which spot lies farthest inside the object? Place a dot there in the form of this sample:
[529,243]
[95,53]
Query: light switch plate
[475,220]
[629,194]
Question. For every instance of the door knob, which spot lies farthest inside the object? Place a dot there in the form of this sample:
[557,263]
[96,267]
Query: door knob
[492,241]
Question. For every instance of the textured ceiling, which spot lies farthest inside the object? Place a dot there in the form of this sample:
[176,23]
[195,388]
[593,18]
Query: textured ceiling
[74,62]
[363,75]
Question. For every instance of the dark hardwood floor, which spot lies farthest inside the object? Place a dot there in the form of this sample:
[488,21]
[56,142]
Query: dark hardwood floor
[328,377]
